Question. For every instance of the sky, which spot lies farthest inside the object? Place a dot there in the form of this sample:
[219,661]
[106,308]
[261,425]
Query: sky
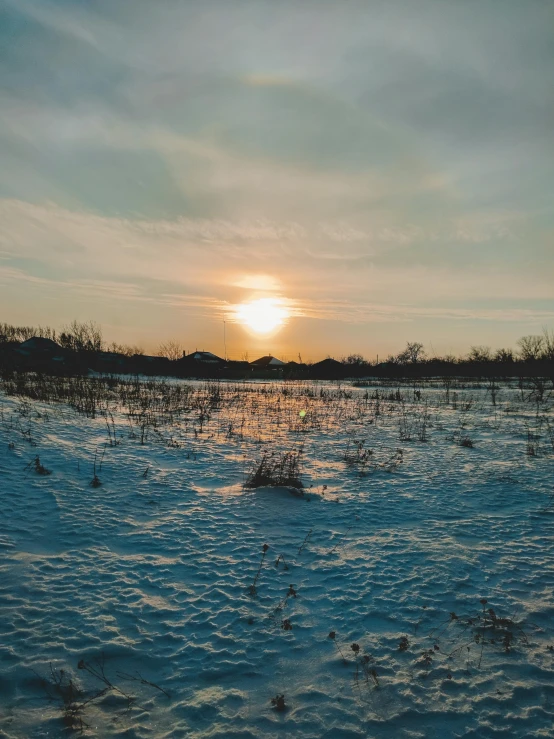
[382,170]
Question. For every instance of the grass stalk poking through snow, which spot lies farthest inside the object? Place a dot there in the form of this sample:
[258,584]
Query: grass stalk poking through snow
[276,470]
[333,637]
[252,589]
[38,467]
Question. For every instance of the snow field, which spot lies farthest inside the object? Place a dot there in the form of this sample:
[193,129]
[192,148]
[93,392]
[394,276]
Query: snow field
[149,573]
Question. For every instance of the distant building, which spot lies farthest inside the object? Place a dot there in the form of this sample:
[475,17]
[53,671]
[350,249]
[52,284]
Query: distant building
[111,360]
[40,346]
[328,369]
[200,364]
[267,361]
[41,354]
[204,357]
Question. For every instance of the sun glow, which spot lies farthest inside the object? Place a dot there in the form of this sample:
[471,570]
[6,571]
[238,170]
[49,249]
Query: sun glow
[262,316]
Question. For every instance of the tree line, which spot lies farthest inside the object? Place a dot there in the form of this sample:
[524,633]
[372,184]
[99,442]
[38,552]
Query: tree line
[531,348]
[87,337]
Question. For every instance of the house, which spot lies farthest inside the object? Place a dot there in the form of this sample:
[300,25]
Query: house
[295,370]
[199,364]
[40,347]
[110,360]
[40,354]
[267,362]
[328,369]
[204,357]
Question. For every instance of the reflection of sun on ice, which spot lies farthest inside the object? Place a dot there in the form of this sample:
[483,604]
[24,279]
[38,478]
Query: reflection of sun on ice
[263,315]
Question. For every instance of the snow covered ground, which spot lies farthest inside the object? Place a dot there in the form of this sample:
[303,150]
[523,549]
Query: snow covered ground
[147,574]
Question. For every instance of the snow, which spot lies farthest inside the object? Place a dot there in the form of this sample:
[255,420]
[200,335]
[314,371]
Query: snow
[151,570]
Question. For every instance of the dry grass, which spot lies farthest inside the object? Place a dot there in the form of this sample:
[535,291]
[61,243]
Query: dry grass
[276,470]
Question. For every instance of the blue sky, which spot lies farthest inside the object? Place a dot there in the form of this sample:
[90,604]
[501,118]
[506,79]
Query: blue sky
[386,168]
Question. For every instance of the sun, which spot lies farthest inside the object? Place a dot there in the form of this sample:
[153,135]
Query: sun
[262,316]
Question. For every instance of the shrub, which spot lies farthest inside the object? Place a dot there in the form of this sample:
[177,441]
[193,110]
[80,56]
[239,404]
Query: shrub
[276,469]
[278,702]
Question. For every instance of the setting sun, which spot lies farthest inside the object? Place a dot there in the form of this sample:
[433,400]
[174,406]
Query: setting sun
[262,316]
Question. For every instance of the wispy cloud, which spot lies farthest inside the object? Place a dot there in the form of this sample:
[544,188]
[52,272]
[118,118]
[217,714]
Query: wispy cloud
[222,255]
[361,313]
[394,167]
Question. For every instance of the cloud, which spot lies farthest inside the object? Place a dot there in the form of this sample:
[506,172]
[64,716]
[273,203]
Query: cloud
[263,283]
[320,259]
[382,162]
[378,313]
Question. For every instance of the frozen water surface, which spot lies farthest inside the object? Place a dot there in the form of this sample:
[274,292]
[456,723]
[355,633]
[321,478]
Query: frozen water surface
[147,575]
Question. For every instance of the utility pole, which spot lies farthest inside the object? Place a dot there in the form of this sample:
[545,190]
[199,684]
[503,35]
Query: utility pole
[224,341]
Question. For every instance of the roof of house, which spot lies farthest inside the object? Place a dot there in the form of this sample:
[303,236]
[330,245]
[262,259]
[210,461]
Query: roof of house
[329,362]
[40,344]
[110,355]
[267,361]
[328,369]
[148,358]
[207,357]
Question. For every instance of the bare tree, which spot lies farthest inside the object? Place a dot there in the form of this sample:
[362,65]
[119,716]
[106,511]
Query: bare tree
[171,350]
[46,332]
[82,337]
[480,354]
[530,347]
[412,354]
[15,333]
[22,333]
[503,355]
[548,344]
[126,349]
[354,359]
